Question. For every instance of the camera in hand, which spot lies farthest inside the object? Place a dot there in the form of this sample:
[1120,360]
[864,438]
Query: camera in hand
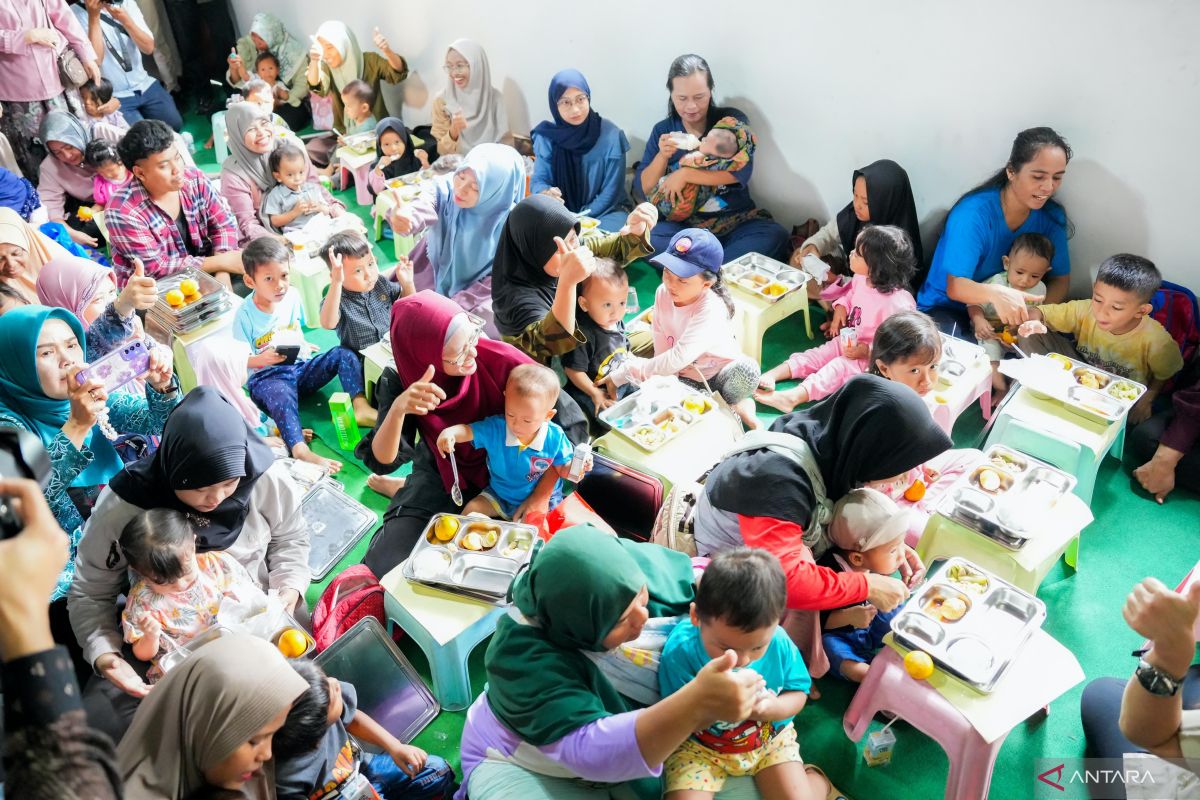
[22,455]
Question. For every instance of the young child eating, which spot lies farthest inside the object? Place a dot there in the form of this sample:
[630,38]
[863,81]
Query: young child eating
[882,262]
[1114,330]
[728,147]
[1027,262]
[396,154]
[739,602]
[867,533]
[318,755]
[111,175]
[101,109]
[281,369]
[359,302]
[527,453]
[602,300]
[176,591]
[693,334]
[358,98]
[291,203]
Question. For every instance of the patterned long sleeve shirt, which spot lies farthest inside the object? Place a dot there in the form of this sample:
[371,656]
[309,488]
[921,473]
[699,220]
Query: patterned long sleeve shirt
[108,330]
[128,413]
[49,750]
[138,227]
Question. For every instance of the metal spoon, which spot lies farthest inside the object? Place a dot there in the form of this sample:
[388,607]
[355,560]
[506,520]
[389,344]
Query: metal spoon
[455,490]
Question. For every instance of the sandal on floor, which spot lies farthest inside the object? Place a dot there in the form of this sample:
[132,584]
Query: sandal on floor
[834,793]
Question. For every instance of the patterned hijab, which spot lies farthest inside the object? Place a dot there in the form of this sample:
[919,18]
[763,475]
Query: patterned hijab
[291,54]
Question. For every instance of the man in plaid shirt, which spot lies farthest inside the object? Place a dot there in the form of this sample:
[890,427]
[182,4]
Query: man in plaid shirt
[171,216]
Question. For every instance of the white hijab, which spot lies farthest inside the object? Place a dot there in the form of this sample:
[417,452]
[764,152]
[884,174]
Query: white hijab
[480,102]
[344,41]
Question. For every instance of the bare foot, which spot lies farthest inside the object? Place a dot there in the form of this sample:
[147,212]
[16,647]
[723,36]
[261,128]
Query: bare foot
[784,401]
[364,415]
[745,411]
[308,434]
[302,452]
[386,485]
[814,693]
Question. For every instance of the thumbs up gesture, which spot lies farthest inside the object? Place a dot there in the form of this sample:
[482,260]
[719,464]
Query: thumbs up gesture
[1168,619]
[140,292]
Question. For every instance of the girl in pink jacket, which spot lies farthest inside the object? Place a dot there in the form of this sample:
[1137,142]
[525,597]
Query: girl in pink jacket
[882,262]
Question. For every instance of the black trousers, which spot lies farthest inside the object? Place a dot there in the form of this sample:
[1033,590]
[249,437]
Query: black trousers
[204,35]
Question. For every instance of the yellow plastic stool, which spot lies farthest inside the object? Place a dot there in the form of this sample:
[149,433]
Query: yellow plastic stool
[754,315]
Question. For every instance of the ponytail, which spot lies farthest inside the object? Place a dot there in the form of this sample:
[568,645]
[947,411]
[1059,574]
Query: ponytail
[721,290]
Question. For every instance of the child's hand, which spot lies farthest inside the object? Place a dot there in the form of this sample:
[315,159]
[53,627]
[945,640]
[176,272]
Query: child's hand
[334,211]
[765,707]
[161,369]
[267,358]
[445,442]
[608,385]
[423,158]
[983,330]
[404,271]
[672,186]
[858,350]
[151,630]
[408,758]
[601,400]
[798,255]
[336,272]
[837,321]
[861,616]
[766,383]
[532,505]
[401,222]
[1031,327]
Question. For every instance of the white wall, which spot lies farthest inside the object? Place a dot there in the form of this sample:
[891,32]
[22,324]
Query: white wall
[940,86]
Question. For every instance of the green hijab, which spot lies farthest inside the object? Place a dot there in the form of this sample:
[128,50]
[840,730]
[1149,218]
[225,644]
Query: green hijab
[541,683]
[21,392]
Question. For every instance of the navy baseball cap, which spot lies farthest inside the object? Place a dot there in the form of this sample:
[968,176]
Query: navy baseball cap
[690,252]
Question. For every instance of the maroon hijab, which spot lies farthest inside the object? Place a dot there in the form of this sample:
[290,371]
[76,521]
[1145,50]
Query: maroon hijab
[419,325]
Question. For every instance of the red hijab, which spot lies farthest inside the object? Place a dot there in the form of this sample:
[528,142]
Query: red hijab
[419,325]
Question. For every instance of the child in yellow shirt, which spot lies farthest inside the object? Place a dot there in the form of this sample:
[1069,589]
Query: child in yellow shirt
[1113,331]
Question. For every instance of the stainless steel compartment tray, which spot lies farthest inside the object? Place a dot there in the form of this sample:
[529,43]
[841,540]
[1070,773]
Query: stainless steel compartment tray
[764,277]
[454,564]
[971,623]
[662,409]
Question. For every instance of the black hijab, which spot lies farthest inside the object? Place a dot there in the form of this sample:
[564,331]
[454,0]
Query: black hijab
[889,201]
[868,430]
[406,163]
[522,292]
[205,441]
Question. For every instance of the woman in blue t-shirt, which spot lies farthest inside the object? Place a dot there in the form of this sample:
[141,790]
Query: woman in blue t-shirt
[731,214]
[981,228]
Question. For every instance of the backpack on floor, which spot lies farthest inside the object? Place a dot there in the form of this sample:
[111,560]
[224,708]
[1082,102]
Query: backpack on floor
[1175,307]
[352,595]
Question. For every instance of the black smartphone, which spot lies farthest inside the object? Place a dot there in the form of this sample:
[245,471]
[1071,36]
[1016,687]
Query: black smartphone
[22,455]
[290,353]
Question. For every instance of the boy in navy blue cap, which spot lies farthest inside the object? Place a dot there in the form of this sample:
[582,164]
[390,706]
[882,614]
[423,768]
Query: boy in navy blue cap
[693,326]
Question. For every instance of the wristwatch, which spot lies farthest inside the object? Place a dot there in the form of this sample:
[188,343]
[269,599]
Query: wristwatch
[1155,681]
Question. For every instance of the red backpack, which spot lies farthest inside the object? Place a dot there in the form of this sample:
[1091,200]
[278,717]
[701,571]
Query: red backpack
[352,595]
[1175,307]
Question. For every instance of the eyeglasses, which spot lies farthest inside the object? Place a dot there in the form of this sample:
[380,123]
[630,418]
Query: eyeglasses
[476,332]
[456,69]
[580,101]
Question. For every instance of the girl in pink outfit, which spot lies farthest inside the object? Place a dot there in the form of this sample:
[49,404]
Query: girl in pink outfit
[882,262]
[111,176]
[693,334]
[906,349]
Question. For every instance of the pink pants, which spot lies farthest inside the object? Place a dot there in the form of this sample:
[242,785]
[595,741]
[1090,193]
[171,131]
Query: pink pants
[824,369]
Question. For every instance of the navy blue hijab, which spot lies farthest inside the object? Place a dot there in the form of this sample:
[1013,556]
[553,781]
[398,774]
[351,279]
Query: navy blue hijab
[569,143]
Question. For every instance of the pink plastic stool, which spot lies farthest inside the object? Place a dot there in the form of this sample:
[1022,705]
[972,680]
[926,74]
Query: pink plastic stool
[888,687]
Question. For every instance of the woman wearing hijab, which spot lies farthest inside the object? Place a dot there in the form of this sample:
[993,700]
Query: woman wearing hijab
[334,60]
[580,155]
[882,196]
[871,430]
[43,348]
[469,111]
[24,250]
[246,173]
[539,265]
[208,724]
[19,195]
[550,724]
[386,167]
[268,35]
[464,214]
[213,467]
[89,291]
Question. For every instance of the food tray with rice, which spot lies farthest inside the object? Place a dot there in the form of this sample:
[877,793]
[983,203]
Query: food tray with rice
[1080,388]
[471,555]
[661,409]
[763,277]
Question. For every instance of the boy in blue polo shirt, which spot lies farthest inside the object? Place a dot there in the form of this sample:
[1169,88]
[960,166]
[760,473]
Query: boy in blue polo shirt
[525,449]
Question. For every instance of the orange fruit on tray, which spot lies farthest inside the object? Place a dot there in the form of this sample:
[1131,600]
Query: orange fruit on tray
[174,298]
[918,664]
[189,287]
[292,643]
